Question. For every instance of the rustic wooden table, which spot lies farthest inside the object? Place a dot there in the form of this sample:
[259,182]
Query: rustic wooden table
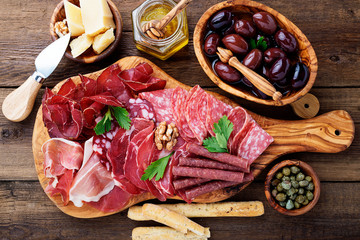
[333,28]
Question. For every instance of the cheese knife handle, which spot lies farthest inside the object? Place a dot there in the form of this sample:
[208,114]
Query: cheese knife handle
[19,103]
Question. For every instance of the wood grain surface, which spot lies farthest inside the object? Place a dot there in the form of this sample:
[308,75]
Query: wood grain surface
[332,27]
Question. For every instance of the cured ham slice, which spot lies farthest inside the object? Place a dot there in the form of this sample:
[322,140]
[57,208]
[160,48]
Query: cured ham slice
[92,181]
[62,116]
[178,105]
[161,102]
[61,185]
[140,108]
[192,113]
[215,110]
[114,201]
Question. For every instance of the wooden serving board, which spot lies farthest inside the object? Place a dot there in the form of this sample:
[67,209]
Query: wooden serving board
[329,133]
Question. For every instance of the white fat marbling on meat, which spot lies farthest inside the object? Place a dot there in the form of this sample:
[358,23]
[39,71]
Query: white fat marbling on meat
[131,100]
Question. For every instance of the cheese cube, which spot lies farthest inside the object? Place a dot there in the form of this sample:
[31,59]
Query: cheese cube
[96,16]
[102,41]
[80,44]
[74,20]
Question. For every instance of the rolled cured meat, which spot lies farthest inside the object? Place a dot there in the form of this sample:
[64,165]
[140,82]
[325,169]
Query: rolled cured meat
[221,157]
[207,163]
[214,174]
[188,182]
[206,188]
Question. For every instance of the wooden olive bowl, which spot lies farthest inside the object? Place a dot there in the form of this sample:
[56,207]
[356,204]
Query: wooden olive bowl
[306,52]
[89,56]
[307,170]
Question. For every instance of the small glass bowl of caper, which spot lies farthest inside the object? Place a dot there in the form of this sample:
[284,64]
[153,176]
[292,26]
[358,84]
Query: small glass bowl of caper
[292,187]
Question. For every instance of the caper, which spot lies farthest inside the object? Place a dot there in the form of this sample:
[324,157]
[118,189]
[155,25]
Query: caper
[286,185]
[292,178]
[275,182]
[295,184]
[279,187]
[283,204]
[294,169]
[285,178]
[310,187]
[291,191]
[297,205]
[303,183]
[308,178]
[301,191]
[309,195]
[286,171]
[293,197]
[289,205]
[306,202]
[300,176]
[281,197]
[300,199]
[274,192]
[296,190]
[279,175]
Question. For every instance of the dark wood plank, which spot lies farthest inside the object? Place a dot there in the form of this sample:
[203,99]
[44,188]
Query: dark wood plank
[26,212]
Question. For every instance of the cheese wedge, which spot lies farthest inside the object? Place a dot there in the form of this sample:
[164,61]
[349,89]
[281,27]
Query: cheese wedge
[96,16]
[80,44]
[74,20]
[102,41]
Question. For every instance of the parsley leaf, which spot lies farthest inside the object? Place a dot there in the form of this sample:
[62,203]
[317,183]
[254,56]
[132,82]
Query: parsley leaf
[252,44]
[222,130]
[261,44]
[121,116]
[156,168]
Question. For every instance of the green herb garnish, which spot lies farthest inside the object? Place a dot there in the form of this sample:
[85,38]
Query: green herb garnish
[121,116]
[222,130]
[156,168]
[260,44]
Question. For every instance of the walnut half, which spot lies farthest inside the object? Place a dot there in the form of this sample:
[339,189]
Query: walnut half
[166,136]
[61,28]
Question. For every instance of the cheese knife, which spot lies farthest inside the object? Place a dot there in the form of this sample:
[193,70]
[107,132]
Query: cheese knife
[19,103]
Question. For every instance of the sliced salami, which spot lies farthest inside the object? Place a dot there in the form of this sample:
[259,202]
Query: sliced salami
[161,102]
[188,182]
[206,188]
[206,163]
[213,174]
[202,108]
[140,108]
[215,110]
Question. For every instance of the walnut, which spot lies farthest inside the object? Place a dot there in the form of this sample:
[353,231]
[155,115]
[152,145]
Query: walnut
[61,28]
[166,136]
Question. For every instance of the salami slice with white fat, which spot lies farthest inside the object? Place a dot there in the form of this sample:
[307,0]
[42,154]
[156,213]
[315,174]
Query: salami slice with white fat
[140,108]
[215,110]
[161,102]
[206,188]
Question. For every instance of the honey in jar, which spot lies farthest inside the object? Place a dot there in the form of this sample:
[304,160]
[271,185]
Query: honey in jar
[176,32]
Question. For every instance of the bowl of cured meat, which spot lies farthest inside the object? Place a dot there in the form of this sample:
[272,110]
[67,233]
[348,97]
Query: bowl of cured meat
[265,43]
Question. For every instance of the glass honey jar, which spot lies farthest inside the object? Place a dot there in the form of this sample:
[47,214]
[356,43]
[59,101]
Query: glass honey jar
[176,32]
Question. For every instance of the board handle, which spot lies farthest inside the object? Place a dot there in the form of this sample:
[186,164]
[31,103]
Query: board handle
[331,132]
[307,106]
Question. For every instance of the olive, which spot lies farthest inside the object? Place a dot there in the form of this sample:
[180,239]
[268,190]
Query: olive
[295,169]
[301,191]
[295,184]
[286,171]
[226,72]
[289,205]
[280,197]
[308,178]
[265,71]
[303,183]
[279,69]
[275,182]
[245,28]
[247,83]
[211,43]
[236,44]
[297,205]
[259,93]
[230,29]
[273,54]
[286,185]
[253,59]
[300,176]
[309,195]
[220,20]
[265,22]
[286,41]
[279,175]
[310,187]
[274,192]
[300,75]
[300,199]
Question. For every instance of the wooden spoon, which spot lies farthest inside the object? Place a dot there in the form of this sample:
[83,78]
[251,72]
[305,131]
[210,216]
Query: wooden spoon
[155,28]
[226,56]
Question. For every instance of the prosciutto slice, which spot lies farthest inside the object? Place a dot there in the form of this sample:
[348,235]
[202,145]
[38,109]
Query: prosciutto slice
[93,180]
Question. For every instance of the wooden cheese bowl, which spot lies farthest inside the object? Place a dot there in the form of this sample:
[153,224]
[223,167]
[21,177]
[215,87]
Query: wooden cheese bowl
[306,52]
[329,133]
[89,56]
[307,170]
